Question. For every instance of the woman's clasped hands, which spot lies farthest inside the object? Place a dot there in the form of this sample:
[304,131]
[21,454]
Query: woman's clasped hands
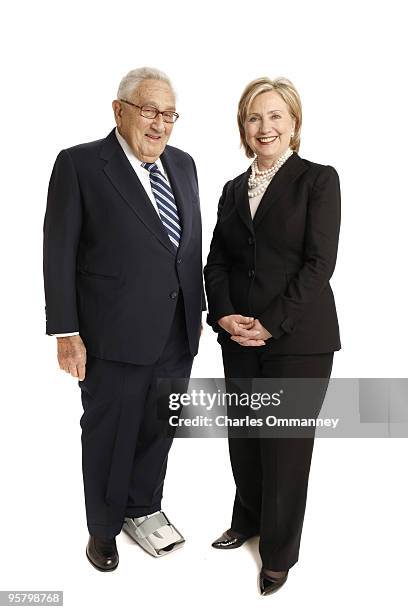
[246,331]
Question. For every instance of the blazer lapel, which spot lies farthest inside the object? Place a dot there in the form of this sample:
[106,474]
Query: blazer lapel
[242,200]
[181,192]
[289,172]
[125,180]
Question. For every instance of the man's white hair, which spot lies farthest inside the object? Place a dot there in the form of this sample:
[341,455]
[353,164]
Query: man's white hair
[132,80]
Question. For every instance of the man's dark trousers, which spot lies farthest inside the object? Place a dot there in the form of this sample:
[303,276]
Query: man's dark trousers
[124,443]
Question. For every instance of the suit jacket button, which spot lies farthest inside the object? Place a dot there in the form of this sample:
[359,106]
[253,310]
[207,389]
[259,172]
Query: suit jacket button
[179,260]
[173,295]
[250,240]
[251,273]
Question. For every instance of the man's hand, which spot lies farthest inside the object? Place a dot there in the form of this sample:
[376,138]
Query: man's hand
[72,355]
[242,330]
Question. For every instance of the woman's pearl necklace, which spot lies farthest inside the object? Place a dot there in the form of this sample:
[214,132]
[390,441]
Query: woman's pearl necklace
[260,179]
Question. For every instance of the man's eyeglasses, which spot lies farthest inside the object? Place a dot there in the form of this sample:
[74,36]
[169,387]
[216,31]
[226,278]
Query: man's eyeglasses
[150,112]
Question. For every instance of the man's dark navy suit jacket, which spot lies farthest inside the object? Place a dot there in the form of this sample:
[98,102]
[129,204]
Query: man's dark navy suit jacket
[110,270]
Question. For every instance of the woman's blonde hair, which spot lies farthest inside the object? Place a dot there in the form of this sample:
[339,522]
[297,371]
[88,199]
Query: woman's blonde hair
[288,93]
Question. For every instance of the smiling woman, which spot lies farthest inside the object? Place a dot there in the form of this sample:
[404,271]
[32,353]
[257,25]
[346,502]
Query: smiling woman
[275,110]
[269,128]
[267,278]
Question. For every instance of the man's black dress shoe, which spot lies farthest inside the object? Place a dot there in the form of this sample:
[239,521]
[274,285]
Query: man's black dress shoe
[102,553]
[229,539]
[268,584]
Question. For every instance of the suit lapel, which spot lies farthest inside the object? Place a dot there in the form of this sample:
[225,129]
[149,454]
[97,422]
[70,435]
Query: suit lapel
[181,190]
[121,174]
[242,200]
[287,174]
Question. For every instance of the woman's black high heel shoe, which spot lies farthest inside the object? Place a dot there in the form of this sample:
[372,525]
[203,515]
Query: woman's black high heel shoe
[229,539]
[270,584]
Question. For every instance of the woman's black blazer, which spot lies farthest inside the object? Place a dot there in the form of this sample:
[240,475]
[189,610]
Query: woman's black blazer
[277,266]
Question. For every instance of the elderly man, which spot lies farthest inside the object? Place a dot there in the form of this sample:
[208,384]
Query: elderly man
[124,295]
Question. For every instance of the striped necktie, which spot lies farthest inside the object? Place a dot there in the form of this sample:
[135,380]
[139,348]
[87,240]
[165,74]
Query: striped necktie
[166,203]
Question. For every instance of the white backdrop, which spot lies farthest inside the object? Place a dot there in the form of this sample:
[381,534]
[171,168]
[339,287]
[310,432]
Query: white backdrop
[61,64]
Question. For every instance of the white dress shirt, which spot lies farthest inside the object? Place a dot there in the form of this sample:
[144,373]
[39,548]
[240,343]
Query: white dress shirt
[254,203]
[142,173]
[144,178]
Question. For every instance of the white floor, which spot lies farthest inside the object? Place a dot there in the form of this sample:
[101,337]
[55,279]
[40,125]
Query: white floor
[352,552]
